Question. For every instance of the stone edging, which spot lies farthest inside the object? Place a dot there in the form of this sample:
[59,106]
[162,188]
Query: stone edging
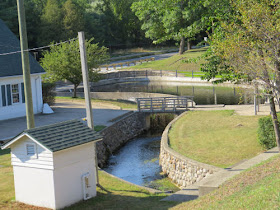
[182,170]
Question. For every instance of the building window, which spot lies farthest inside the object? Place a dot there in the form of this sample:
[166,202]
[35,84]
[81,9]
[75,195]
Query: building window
[15,93]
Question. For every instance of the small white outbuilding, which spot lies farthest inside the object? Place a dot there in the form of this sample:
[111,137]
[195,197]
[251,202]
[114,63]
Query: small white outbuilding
[54,165]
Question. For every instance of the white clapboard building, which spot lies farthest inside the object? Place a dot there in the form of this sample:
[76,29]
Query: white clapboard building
[12,101]
[54,165]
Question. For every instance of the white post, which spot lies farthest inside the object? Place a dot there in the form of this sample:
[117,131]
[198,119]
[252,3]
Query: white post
[87,93]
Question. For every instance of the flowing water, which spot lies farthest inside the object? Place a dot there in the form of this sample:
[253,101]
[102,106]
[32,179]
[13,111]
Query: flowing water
[137,161]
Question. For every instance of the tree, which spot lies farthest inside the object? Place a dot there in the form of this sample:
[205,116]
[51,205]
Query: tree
[249,45]
[170,20]
[51,23]
[73,20]
[63,62]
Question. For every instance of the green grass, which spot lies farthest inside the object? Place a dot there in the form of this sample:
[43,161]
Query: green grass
[117,194]
[175,62]
[121,104]
[219,138]
[256,188]
[99,127]
[164,185]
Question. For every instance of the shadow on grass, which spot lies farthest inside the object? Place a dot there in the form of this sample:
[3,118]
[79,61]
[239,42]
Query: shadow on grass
[110,200]
[5,151]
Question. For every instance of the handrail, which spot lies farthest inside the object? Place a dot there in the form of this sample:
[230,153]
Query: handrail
[164,104]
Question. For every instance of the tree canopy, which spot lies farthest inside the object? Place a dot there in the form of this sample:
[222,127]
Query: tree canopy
[249,45]
[63,62]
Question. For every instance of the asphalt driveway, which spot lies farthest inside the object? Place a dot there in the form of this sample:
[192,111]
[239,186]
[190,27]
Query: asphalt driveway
[102,114]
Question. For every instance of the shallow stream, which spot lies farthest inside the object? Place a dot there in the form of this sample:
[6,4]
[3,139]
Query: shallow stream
[137,161]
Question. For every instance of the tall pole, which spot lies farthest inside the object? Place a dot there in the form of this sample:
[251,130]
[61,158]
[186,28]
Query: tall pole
[25,65]
[87,93]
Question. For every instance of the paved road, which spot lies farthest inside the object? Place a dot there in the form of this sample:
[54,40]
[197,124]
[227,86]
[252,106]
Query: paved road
[102,114]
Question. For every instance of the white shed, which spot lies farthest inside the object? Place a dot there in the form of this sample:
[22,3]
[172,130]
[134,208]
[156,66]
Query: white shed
[54,165]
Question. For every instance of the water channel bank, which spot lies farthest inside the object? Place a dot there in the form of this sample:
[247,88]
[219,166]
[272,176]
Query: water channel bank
[181,170]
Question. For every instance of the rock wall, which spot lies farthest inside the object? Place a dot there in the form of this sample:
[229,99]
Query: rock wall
[182,170]
[118,134]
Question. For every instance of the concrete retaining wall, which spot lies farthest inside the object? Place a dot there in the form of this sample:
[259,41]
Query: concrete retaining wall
[118,134]
[182,170]
[130,96]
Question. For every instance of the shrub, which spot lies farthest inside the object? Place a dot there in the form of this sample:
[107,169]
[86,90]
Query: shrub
[48,91]
[266,135]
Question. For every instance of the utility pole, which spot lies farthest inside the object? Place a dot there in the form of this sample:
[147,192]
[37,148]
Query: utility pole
[25,65]
[87,93]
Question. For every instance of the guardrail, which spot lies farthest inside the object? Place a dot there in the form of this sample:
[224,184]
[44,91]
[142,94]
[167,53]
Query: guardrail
[164,104]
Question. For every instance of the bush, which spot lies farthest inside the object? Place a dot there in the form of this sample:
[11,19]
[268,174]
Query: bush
[266,135]
[48,91]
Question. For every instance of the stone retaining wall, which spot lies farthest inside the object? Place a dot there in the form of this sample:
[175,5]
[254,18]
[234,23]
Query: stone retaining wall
[182,170]
[118,134]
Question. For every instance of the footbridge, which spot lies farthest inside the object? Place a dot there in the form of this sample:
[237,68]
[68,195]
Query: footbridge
[165,104]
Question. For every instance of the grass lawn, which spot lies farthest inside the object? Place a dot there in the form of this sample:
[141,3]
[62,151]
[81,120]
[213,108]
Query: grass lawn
[175,62]
[256,188]
[118,103]
[219,138]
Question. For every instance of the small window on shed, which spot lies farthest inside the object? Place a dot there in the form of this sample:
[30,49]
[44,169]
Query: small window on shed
[31,150]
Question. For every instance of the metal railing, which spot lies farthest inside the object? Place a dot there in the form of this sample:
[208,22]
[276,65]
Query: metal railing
[164,104]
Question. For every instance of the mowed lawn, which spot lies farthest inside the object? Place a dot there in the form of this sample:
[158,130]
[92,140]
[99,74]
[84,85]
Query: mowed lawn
[175,62]
[219,138]
[256,188]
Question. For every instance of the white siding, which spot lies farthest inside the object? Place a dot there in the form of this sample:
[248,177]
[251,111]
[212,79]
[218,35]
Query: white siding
[18,110]
[20,158]
[70,165]
[34,186]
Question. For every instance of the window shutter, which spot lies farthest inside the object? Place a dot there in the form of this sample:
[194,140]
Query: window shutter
[30,149]
[22,93]
[9,95]
[3,93]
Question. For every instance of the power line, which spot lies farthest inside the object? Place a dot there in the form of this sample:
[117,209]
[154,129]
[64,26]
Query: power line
[39,48]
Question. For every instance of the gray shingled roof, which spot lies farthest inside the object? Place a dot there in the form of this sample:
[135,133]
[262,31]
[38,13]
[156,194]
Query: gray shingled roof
[10,65]
[63,135]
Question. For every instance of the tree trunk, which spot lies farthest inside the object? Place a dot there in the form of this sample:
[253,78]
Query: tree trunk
[182,46]
[75,91]
[189,45]
[275,121]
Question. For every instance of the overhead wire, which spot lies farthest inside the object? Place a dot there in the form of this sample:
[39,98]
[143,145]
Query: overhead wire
[37,48]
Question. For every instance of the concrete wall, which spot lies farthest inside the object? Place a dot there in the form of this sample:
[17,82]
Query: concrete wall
[18,109]
[118,134]
[130,96]
[182,170]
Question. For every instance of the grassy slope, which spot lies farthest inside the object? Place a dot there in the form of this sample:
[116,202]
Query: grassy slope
[120,104]
[219,138]
[257,188]
[175,62]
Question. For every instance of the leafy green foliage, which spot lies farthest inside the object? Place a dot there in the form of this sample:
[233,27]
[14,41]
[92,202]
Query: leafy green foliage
[63,62]
[168,20]
[73,20]
[48,92]
[266,134]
